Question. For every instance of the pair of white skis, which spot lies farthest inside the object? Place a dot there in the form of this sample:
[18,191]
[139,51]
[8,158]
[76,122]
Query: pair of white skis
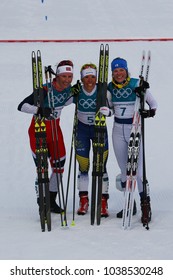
[133,153]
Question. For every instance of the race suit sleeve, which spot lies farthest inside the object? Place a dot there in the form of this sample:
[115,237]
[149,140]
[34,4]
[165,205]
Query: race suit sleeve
[150,100]
[27,105]
[109,103]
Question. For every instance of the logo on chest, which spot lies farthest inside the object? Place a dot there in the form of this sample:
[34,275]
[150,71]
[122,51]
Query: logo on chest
[87,103]
[122,92]
[60,98]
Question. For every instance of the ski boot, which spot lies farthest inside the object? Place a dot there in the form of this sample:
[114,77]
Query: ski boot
[104,206]
[83,204]
[54,208]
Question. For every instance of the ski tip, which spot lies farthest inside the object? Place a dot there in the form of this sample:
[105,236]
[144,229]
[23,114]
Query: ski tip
[33,54]
[101,47]
[149,55]
[107,47]
[143,54]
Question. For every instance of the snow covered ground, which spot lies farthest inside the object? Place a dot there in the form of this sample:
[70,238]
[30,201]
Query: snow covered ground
[20,234]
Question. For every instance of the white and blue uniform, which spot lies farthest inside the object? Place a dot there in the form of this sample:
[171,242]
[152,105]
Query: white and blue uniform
[122,101]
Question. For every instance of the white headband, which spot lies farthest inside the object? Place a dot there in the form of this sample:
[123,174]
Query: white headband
[88,71]
[64,69]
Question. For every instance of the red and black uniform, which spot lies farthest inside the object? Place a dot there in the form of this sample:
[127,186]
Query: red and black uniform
[54,136]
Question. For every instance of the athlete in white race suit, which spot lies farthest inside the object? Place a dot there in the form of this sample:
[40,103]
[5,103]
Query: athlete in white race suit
[121,99]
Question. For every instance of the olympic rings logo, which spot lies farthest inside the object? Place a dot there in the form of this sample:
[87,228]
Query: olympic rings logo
[125,93]
[89,103]
[60,98]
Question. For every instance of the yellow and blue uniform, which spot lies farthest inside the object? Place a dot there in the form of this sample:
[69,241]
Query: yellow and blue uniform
[86,111]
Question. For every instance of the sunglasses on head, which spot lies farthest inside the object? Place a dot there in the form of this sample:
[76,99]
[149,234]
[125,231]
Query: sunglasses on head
[88,65]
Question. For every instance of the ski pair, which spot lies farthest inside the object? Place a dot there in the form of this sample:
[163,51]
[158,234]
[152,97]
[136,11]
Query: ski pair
[41,150]
[133,150]
[99,138]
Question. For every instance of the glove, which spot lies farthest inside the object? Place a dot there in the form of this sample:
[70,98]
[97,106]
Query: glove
[142,88]
[147,113]
[75,89]
[44,112]
[105,111]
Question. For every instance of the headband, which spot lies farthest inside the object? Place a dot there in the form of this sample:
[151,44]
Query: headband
[64,69]
[88,71]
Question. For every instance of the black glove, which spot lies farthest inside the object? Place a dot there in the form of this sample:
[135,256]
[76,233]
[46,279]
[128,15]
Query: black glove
[44,112]
[147,113]
[76,88]
[142,88]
